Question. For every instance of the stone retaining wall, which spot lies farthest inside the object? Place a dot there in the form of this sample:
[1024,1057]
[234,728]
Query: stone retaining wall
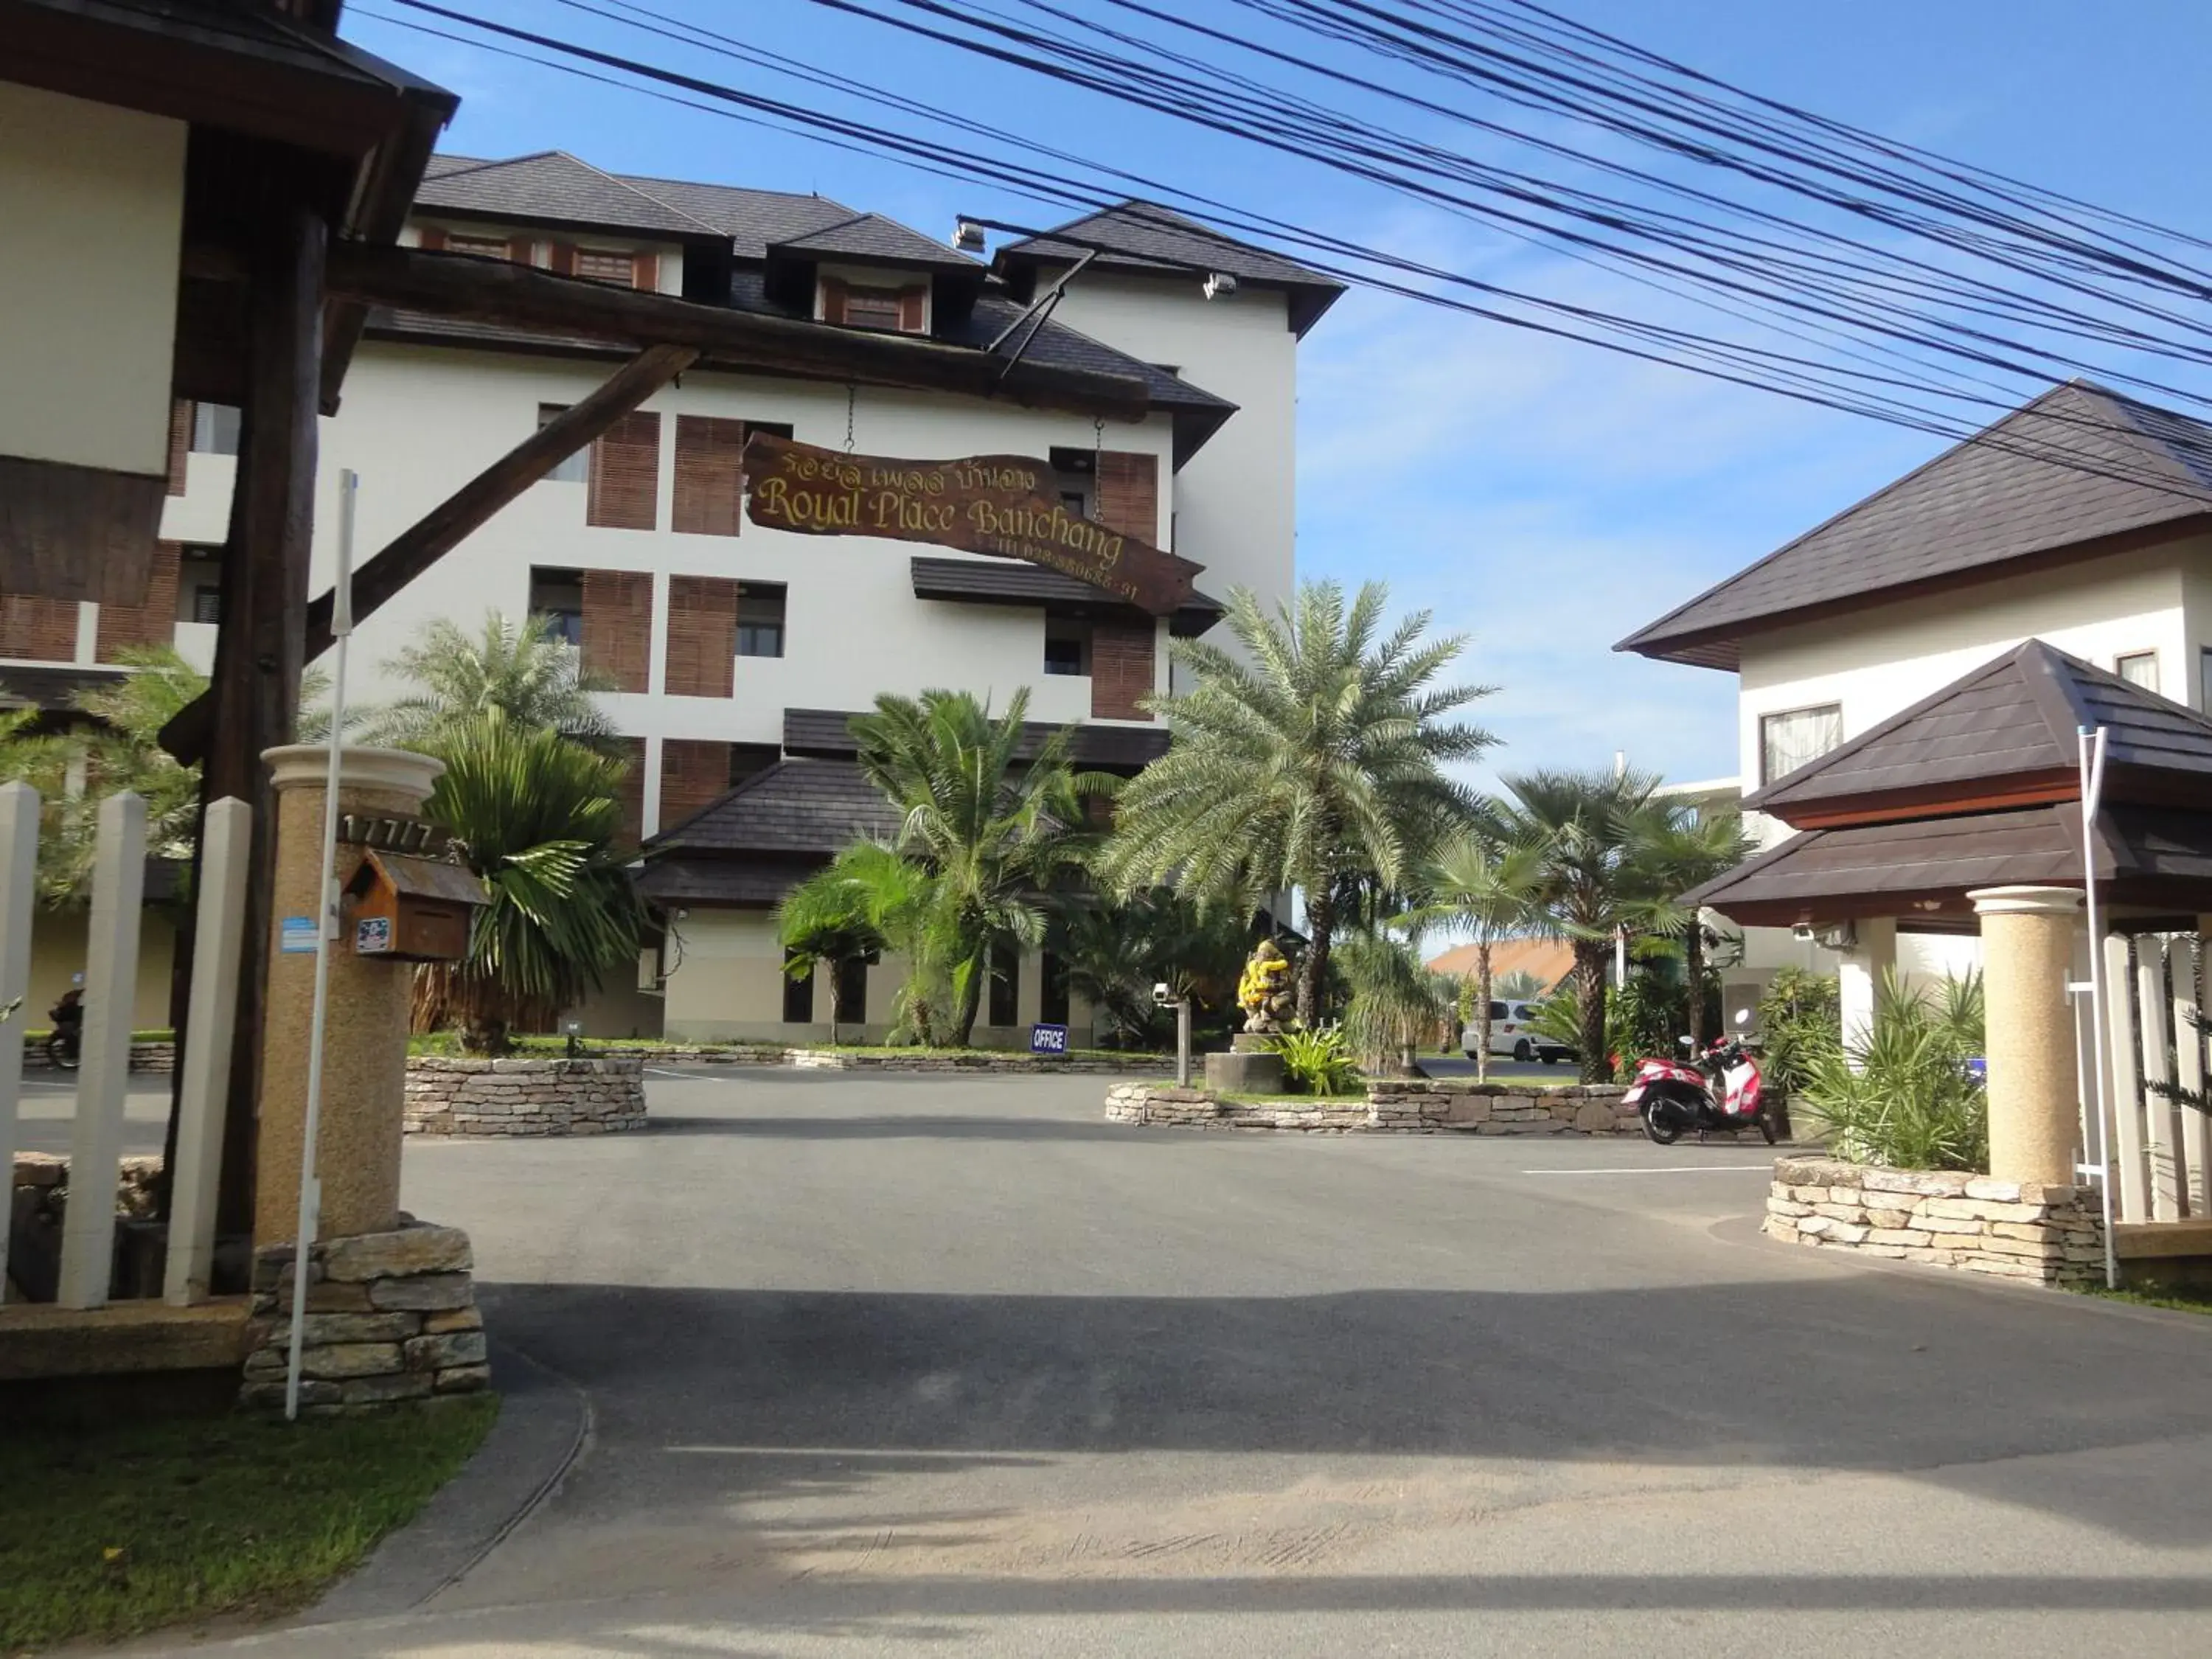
[524,1096]
[829,1059]
[1413,1107]
[391,1316]
[2041,1235]
[144,1057]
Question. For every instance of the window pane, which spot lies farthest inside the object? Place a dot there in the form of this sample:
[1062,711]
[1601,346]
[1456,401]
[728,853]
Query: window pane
[214,429]
[482,247]
[577,468]
[1789,741]
[2140,668]
[1052,995]
[760,619]
[601,266]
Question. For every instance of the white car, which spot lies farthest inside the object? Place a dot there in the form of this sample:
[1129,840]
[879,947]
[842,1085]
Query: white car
[1513,1034]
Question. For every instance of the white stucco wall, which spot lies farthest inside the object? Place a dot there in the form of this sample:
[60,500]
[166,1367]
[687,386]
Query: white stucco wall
[1878,662]
[92,203]
[1236,501]
[418,421]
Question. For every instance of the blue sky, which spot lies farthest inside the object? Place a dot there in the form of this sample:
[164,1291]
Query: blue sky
[1542,498]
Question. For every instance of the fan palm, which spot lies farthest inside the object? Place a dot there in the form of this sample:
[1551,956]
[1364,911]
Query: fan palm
[1592,832]
[522,669]
[1685,848]
[994,833]
[1313,761]
[1490,888]
[535,815]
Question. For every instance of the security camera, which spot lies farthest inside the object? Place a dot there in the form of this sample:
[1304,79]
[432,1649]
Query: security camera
[1218,285]
[1165,995]
[967,236]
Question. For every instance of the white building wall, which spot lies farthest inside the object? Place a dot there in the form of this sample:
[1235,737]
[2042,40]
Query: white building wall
[1236,502]
[92,200]
[418,421]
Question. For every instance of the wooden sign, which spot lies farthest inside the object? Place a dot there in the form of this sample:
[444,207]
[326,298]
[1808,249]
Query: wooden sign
[1002,505]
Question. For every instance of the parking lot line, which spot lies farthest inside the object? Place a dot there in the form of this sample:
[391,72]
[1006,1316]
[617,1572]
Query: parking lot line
[1653,1168]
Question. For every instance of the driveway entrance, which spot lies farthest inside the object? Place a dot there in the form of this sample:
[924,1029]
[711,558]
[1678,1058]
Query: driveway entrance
[950,1364]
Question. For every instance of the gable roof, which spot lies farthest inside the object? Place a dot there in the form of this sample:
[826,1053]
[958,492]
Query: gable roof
[753,219]
[796,805]
[2075,469]
[552,185]
[1140,236]
[870,237]
[2006,733]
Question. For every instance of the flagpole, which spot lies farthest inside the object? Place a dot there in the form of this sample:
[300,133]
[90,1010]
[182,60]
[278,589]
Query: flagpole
[311,1190]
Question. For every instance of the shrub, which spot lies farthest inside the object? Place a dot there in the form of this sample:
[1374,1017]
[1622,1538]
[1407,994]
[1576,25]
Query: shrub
[1800,1019]
[1903,1097]
[1317,1061]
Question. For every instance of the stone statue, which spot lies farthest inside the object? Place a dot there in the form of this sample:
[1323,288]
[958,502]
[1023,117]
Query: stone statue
[1264,990]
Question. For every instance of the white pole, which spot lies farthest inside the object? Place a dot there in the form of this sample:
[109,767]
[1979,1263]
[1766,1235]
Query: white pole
[2092,789]
[19,892]
[311,1191]
[1183,1042]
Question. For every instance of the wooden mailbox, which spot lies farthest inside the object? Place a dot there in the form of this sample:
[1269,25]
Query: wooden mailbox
[411,909]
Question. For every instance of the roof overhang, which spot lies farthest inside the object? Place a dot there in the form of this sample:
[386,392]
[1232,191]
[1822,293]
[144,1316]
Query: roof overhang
[827,734]
[1009,582]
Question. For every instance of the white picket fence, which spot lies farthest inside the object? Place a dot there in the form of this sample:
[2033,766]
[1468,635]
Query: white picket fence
[2162,1151]
[104,1072]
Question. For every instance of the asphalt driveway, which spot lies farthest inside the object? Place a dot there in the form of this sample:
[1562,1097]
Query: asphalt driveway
[954,1365]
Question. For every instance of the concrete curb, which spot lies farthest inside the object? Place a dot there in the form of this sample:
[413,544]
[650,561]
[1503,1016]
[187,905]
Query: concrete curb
[544,1427]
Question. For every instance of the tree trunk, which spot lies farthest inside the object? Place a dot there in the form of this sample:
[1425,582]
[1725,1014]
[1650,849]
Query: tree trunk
[1589,1006]
[1693,970]
[1313,972]
[1482,1011]
[971,998]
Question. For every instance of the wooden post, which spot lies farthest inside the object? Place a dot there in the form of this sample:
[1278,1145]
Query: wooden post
[2161,1116]
[19,870]
[259,650]
[2128,1152]
[103,1079]
[204,1056]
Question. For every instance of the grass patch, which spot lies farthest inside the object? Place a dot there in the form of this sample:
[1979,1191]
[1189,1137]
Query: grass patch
[2196,1302]
[1296,1100]
[447,1045]
[109,1532]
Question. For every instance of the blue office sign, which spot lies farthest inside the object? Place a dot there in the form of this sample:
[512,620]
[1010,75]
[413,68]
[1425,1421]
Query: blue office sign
[1048,1039]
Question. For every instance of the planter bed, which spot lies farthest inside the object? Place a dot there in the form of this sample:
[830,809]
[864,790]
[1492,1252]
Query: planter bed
[1437,1106]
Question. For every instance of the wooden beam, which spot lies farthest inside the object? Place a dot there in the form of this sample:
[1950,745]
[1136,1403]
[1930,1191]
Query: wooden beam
[254,691]
[414,551]
[443,528]
[521,296]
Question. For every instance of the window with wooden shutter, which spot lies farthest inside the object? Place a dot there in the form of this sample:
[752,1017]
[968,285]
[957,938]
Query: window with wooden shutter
[38,629]
[1120,669]
[482,247]
[913,311]
[599,264]
[833,299]
[1127,493]
[617,627]
[154,622]
[703,627]
[709,475]
[898,310]
[625,489]
[694,776]
[180,443]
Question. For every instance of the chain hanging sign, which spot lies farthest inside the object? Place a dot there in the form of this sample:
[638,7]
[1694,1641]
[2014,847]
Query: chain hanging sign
[1002,505]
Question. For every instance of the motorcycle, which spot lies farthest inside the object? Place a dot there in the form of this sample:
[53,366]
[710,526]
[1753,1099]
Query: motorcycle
[1724,1092]
[65,1043]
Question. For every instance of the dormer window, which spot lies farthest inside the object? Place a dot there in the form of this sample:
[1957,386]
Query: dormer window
[610,265]
[896,310]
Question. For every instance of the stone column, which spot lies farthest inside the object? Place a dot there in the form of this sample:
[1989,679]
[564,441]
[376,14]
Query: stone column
[1859,975]
[2027,947]
[365,1043]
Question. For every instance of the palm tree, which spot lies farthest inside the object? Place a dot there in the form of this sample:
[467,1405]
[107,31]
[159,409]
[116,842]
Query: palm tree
[1395,1003]
[535,815]
[1316,763]
[1490,888]
[1593,831]
[523,669]
[872,898]
[1115,954]
[1687,848]
[993,832]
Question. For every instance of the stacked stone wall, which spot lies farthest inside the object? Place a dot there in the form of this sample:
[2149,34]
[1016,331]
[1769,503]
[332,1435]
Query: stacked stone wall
[144,1057]
[1413,1107]
[391,1316]
[2008,1229]
[524,1096]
